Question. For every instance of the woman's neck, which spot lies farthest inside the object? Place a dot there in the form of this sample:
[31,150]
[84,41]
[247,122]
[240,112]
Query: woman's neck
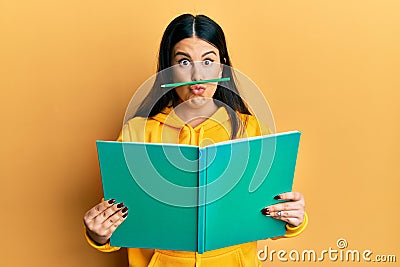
[195,116]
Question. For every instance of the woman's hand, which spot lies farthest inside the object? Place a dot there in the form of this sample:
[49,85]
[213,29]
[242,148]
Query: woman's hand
[102,220]
[291,211]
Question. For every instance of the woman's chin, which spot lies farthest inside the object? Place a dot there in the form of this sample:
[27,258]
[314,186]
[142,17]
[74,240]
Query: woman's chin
[198,102]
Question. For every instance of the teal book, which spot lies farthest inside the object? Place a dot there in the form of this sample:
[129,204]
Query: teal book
[190,198]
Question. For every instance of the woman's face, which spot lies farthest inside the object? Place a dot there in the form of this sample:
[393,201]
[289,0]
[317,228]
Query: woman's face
[194,59]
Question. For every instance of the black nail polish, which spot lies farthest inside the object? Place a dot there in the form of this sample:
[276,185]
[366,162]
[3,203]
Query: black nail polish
[265,211]
[111,201]
[277,197]
[124,216]
[120,205]
[124,209]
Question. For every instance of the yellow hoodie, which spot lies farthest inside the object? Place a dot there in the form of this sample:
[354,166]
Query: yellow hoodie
[167,127]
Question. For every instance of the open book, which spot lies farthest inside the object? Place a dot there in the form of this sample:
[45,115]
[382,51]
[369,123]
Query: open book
[183,197]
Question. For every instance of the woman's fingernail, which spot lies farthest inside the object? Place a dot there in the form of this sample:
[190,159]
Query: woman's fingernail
[120,205]
[111,201]
[124,216]
[124,209]
[265,211]
[277,197]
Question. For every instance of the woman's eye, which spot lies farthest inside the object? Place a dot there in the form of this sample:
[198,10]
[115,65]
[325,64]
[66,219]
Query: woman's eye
[184,62]
[207,62]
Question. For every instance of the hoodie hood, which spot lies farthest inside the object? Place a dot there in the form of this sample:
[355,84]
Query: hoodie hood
[169,118]
[188,134]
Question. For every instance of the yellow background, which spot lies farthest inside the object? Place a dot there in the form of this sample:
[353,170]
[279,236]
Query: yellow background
[69,68]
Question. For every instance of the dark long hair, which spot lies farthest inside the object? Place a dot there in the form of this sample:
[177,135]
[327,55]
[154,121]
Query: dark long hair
[200,26]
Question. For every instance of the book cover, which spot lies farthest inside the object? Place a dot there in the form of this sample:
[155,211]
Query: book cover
[183,197]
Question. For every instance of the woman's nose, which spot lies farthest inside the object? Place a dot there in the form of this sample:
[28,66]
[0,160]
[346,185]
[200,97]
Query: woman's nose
[196,71]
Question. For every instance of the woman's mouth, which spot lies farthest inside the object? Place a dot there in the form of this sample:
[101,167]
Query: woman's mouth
[197,89]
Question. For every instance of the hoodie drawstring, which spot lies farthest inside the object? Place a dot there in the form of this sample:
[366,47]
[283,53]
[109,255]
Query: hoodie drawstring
[201,134]
[190,136]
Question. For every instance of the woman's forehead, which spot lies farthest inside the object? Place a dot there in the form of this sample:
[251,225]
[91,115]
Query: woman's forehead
[194,46]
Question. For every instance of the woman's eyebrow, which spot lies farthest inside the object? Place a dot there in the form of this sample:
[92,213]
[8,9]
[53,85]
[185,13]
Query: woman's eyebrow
[187,55]
[209,52]
[182,54]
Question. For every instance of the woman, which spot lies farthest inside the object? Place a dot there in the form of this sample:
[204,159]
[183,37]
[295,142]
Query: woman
[192,114]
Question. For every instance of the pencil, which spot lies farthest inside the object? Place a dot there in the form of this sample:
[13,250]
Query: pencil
[195,82]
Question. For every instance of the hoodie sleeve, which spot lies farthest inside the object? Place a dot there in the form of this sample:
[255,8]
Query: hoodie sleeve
[254,127]
[103,248]
[292,231]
